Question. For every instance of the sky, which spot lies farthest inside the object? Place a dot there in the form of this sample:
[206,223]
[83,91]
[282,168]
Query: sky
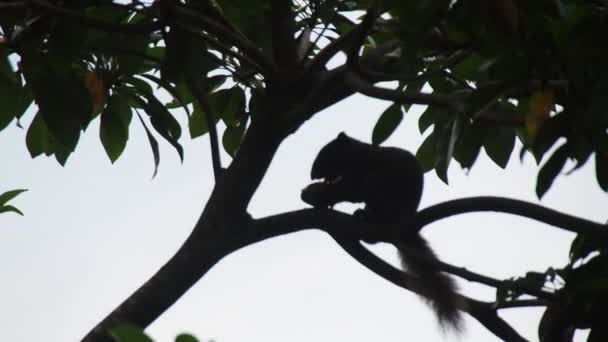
[93,232]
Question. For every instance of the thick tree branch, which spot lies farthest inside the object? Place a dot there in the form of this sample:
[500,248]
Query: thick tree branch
[283,34]
[197,90]
[341,224]
[216,234]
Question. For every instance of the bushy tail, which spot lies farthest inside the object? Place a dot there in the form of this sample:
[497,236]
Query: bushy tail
[438,289]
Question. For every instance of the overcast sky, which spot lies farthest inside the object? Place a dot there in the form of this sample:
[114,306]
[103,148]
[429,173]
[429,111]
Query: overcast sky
[93,232]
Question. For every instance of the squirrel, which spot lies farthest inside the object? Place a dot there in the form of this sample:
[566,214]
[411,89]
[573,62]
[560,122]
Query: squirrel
[389,181]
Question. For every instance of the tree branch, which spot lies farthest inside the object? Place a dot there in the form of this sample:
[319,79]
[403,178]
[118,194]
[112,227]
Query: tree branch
[197,91]
[510,206]
[346,41]
[283,31]
[482,312]
[366,88]
[238,40]
[102,25]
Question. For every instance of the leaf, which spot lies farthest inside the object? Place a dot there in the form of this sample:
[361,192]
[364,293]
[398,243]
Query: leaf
[15,98]
[387,123]
[551,130]
[9,195]
[38,139]
[163,122]
[499,143]
[114,127]
[153,145]
[10,208]
[232,138]
[128,333]
[431,116]
[550,170]
[185,338]
[197,124]
[179,98]
[61,96]
[585,244]
[426,153]
[228,104]
[96,88]
[469,144]
[447,135]
[601,170]
[541,104]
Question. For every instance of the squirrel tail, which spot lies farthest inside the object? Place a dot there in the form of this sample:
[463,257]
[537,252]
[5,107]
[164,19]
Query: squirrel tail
[437,288]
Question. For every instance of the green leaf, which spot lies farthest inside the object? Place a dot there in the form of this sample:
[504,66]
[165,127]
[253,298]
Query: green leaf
[185,338]
[38,139]
[10,208]
[601,170]
[9,195]
[61,96]
[447,135]
[228,104]
[114,128]
[550,170]
[153,145]
[163,122]
[426,153]
[469,144]
[551,130]
[387,123]
[177,96]
[499,143]
[197,124]
[129,333]
[433,115]
[232,138]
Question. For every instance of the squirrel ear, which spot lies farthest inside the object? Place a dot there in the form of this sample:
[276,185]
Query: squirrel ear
[342,135]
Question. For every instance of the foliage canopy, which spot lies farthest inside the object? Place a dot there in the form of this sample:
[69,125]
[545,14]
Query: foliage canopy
[500,72]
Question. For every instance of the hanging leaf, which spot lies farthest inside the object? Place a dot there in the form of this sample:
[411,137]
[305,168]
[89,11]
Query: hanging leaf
[38,139]
[153,145]
[94,85]
[427,153]
[114,128]
[387,123]
[550,170]
[232,138]
[61,96]
[499,143]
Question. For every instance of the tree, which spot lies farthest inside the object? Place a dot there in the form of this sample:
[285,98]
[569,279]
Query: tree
[528,72]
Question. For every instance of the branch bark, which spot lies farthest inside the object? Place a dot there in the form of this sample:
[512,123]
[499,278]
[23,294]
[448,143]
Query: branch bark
[481,311]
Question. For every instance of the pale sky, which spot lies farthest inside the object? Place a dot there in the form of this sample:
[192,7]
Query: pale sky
[93,232]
